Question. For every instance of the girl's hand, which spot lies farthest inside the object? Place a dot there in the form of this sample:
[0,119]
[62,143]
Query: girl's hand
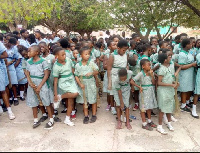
[38,89]
[89,74]
[132,89]
[97,84]
[151,73]
[122,106]
[195,64]
[55,98]
[174,86]
[141,89]
[82,86]
[109,87]
[177,85]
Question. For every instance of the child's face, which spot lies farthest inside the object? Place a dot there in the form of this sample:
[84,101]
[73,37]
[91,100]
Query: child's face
[61,55]
[164,45]
[153,49]
[72,47]
[146,66]
[113,46]
[122,51]
[133,46]
[189,46]
[154,42]
[25,54]
[75,54]
[123,78]
[90,44]
[169,47]
[85,55]
[37,35]
[43,48]
[169,56]
[183,37]
[116,40]
[198,44]
[32,52]
[149,51]
[193,42]
[137,39]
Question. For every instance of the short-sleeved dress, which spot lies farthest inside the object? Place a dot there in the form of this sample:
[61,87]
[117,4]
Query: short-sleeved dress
[135,70]
[197,51]
[12,54]
[177,48]
[119,62]
[2,72]
[147,98]
[197,81]
[69,54]
[66,80]
[186,77]
[20,73]
[124,86]
[105,79]
[24,43]
[132,53]
[36,70]
[89,82]
[165,94]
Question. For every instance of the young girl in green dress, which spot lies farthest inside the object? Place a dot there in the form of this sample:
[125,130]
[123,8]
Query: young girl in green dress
[85,72]
[64,82]
[166,92]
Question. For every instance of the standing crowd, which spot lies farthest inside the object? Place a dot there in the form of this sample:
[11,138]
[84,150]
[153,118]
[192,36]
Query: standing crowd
[53,71]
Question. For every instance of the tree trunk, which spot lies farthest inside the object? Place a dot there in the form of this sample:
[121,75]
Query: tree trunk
[11,27]
[194,9]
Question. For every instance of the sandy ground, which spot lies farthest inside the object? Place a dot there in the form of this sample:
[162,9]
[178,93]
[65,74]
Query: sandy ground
[18,135]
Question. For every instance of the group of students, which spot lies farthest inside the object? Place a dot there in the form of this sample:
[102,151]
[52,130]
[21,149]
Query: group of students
[72,72]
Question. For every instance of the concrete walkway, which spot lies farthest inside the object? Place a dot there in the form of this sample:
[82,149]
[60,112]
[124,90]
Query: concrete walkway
[18,135]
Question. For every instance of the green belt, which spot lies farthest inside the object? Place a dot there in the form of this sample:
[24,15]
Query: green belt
[124,85]
[37,77]
[118,67]
[148,85]
[66,76]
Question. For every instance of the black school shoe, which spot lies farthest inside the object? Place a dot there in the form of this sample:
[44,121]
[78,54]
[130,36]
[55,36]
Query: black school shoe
[55,112]
[189,105]
[36,124]
[11,102]
[56,119]
[93,119]
[43,118]
[16,102]
[22,98]
[186,109]
[49,125]
[86,120]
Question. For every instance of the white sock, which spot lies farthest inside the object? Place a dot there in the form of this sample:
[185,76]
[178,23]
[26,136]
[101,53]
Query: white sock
[165,117]
[1,109]
[183,105]
[187,101]
[15,99]
[35,120]
[67,118]
[10,98]
[149,120]
[169,124]
[54,116]
[194,110]
[45,114]
[159,126]
[1,101]
[51,120]
[9,110]
[137,104]
[144,123]
[191,98]
[22,94]
[113,108]
[73,112]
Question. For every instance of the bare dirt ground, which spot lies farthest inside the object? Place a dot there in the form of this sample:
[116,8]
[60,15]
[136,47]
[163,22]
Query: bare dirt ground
[18,135]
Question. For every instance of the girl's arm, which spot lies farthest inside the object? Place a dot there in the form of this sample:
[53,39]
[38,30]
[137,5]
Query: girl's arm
[109,68]
[4,55]
[105,62]
[184,67]
[55,82]
[97,61]
[160,83]
[177,71]
[132,82]
[152,77]
[121,99]
[73,70]
[127,62]
[79,82]
[46,76]
[17,62]
[101,58]
[155,68]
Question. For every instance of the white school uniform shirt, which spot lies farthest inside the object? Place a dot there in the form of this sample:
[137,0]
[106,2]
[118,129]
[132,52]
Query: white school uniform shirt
[24,43]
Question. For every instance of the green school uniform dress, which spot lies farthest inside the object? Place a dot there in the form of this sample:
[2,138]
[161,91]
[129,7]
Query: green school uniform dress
[186,77]
[66,80]
[197,80]
[147,98]
[89,82]
[124,86]
[135,70]
[165,94]
[36,70]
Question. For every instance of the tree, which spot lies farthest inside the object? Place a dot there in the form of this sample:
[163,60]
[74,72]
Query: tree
[14,12]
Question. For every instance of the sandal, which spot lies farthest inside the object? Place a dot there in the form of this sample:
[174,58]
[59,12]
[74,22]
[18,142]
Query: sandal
[147,127]
[152,124]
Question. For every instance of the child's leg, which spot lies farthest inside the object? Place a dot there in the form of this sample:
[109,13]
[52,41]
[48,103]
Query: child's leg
[14,89]
[21,89]
[69,95]
[144,123]
[136,97]
[194,113]
[184,96]
[127,119]
[160,118]
[73,114]
[112,105]
[35,112]
[94,111]
[49,111]
[69,111]
[119,113]
[169,121]
[108,101]
[44,114]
